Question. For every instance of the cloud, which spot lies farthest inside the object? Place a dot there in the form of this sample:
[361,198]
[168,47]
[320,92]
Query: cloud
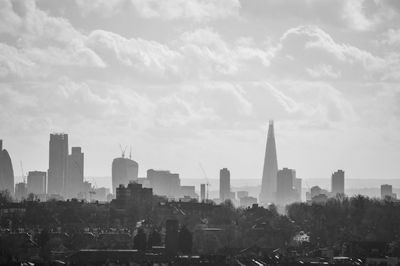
[356,15]
[312,104]
[322,71]
[103,8]
[309,50]
[197,10]
[142,55]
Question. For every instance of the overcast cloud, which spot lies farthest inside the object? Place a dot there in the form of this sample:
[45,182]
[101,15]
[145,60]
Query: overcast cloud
[189,81]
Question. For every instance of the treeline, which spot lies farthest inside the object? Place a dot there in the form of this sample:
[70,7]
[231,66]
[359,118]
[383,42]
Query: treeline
[344,220]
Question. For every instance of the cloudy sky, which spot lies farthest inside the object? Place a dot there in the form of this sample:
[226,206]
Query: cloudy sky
[196,81]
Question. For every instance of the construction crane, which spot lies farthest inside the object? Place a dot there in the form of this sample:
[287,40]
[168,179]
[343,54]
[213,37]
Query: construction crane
[122,150]
[207,182]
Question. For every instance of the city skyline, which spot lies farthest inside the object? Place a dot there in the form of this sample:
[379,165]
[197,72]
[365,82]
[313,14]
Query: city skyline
[200,132]
[200,83]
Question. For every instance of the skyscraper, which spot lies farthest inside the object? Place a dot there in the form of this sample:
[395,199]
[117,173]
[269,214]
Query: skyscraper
[268,185]
[285,192]
[124,170]
[202,192]
[58,164]
[338,182]
[224,184]
[6,171]
[74,179]
[20,191]
[387,192]
[37,182]
[164,183]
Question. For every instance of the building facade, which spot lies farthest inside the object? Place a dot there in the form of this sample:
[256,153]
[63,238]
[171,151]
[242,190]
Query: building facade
[20,191]
[285,191]
[270,169]
[6,171]
[202,192]
[58,164]
[124,170]
[164,183]
[74,181]
[337,182]
[36,182]
[224,184]
[387,192]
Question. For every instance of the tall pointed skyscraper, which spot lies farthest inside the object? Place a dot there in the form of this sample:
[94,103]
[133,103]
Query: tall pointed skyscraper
[269,177]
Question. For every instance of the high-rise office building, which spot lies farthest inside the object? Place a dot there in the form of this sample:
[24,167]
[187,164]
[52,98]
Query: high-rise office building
[285,192]
[270,170]
[164,183]
[202,192]
[387,192]
[338,182]
[224,184]
[37,182]
[297,188]
[124,170]
[20,191]
[74,181]
[58,164]
[6,171]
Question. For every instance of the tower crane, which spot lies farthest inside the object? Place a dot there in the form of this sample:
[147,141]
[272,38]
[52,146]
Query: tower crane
[207,182]
[122,150]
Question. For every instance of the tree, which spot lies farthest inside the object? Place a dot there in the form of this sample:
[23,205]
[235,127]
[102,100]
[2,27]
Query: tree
[5,196]
[43,240]
[154,239]
[185,240]
[139,241]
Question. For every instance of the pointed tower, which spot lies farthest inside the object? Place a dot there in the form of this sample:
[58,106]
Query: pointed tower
[268,185]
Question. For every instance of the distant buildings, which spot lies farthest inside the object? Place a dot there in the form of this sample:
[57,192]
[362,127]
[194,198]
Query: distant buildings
[224,184]
[74,180]
[338,183]
[189,191]
[242,194]
[36,183]
[286,192]
[164,183]
[124,170]
[6,171]
[270,170]
[202,192]
[134,193]
[387,192]
[58,164]
[100,194]
[20,191]
[247,201]
[297,187]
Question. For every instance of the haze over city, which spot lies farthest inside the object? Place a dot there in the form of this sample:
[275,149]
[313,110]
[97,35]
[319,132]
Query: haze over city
[200,132]
[189,82]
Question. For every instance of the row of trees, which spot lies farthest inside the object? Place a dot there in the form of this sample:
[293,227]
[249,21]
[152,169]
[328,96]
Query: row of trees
[345,220]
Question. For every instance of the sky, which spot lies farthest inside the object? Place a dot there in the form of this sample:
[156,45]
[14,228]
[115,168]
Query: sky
[189,82]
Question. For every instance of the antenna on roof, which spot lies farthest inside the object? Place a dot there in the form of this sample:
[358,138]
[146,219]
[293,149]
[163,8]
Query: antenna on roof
[130,152]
